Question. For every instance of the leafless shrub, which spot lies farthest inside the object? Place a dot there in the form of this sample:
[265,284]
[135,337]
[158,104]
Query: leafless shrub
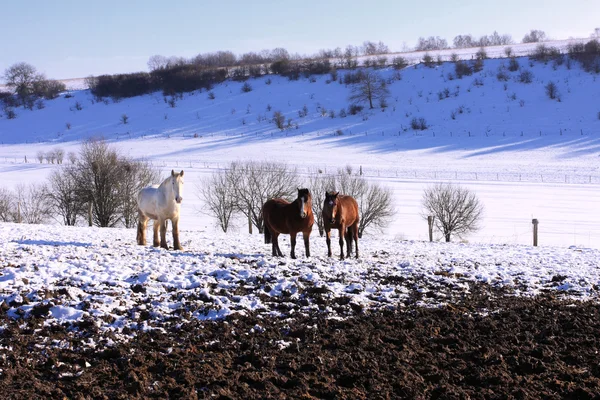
[218,194]
[63,200]
[279,120]
[256,182]
[481,54]
[513,64]
[50,157]
[7,205]
[551,90]
[40,155]
[72,156]
[457,210]
[246,87]
[399,62]
[418,124]
[526,76]
[375,206]
[60,155]
[124,119]
[108,181]
[32,205]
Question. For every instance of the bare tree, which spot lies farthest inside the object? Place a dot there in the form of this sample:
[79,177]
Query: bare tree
[7,205]
[62,196]
[375,207]
[279,119]
[60,155]
[256,182]
[32,204]
[157,62]
[98,173]
[22,77]
[40,156]
[72,156]
[50,156]
[218,195]
[371,87]
[457,210]
[534,36]
[374,201]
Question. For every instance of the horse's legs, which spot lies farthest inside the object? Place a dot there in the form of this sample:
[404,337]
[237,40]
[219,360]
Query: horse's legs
[176,243]
[293,243]
[155,227]
[348,241]
[274,246]
[163,233]
[305,236]
[141,229]
[278,252]
[342,233]
[355,236]
[328,240]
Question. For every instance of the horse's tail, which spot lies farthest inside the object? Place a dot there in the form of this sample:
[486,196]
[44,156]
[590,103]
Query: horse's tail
[267,233]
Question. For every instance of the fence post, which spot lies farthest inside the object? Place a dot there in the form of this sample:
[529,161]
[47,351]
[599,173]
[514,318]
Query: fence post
[430,219]
[535,223]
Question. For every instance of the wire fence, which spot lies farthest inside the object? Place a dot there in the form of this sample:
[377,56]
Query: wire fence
[556,177]
[412,174]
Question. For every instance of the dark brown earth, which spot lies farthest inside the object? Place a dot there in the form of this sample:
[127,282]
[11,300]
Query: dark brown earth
[486,345]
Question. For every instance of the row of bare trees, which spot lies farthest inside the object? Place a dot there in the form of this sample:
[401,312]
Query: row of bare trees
[244,187]
[99,185]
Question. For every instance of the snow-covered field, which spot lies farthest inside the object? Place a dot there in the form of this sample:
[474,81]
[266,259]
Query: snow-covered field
[81,274]
[525,156]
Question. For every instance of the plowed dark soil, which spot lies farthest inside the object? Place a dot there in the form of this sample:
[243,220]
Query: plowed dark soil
[487,345]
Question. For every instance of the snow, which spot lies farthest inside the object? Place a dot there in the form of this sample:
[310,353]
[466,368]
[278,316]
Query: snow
[98,273]
[539,159]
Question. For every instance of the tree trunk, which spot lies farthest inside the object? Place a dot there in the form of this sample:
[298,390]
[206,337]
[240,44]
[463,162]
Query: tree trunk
[447,237]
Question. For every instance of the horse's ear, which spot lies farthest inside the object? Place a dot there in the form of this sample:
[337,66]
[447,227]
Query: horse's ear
[181,174]
[172,173]
[335,194]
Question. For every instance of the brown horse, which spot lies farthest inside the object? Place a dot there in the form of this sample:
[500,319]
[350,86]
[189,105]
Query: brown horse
[341,212]
[281,216]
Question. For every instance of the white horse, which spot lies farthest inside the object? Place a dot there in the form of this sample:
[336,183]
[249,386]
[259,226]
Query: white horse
[161,203]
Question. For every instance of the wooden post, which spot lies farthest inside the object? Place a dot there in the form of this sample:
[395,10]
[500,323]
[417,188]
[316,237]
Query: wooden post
[430,219]
[535,223]
[90,213]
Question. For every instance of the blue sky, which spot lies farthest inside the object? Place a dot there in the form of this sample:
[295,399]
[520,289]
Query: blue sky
[75,38]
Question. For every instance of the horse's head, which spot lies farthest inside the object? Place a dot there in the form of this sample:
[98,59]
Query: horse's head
[305,202]
[177,185]
[330,206]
